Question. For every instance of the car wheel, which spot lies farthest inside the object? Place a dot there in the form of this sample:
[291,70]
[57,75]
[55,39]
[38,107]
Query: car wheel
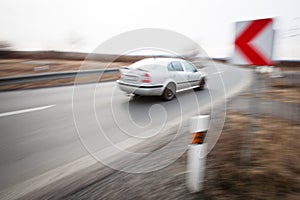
[201,84]
[169,92]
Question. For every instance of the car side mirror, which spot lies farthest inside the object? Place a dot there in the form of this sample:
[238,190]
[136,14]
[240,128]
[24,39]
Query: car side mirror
[195,70]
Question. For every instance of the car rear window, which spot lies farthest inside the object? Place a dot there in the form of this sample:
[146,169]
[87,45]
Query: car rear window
[177,66]
[170,67]
[148,67]
[145,65]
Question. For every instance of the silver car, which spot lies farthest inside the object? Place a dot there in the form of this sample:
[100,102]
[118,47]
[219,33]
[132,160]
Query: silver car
[160,77]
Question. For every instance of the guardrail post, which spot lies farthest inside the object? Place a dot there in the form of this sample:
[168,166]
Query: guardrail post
[196,155]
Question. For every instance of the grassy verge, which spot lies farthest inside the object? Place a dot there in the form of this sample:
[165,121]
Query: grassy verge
[272,173]
[18,67]
[60,82]
[282,91]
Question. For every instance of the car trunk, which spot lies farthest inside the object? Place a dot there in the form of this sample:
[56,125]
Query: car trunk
[135,75]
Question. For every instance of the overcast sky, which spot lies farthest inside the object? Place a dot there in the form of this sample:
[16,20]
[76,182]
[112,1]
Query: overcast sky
[82,25]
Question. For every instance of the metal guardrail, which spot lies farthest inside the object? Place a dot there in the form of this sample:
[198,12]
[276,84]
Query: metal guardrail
[54,75]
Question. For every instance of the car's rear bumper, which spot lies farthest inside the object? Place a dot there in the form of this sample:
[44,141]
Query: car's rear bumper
[145,90]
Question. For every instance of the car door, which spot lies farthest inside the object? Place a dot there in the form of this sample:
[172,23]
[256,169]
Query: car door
[193,76]
[177,73]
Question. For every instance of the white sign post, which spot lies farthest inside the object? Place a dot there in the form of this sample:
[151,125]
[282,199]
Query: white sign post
[253,46]
[196,155]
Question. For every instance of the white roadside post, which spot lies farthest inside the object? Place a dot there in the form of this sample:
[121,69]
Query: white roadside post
[196,155]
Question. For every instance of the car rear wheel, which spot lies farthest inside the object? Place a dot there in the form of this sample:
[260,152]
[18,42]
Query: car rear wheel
[169,92]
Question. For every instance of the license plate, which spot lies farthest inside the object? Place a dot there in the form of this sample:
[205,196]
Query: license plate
[130,78]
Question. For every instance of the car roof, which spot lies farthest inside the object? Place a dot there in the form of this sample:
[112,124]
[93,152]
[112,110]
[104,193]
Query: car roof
[156,61]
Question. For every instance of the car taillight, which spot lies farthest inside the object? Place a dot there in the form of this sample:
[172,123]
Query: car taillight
[146,78]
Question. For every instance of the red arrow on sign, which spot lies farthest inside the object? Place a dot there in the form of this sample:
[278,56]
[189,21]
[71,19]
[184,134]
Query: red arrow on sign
[242,42]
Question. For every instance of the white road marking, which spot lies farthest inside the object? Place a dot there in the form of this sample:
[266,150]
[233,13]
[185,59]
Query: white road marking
[219,72]
[25,110]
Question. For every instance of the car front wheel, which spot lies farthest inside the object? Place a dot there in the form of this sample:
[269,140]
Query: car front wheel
[201,84]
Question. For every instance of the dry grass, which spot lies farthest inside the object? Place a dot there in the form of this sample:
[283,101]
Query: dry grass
[17,67]
[274,171]
[59,82]
[288,65]
[282,91]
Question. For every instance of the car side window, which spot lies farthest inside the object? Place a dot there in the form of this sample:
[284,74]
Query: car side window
[170,67]
[189,67]
[177,66]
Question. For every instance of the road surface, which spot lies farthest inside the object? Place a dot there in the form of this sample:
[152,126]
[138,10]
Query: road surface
[43,129]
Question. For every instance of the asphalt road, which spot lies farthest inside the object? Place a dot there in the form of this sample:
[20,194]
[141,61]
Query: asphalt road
[43,129]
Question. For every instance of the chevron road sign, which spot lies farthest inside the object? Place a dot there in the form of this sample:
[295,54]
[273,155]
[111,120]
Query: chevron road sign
[254,42]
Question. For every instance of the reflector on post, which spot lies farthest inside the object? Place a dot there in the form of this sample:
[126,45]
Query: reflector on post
[198,138]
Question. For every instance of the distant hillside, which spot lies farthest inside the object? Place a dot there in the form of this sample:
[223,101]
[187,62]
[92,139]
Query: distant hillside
[38,55]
